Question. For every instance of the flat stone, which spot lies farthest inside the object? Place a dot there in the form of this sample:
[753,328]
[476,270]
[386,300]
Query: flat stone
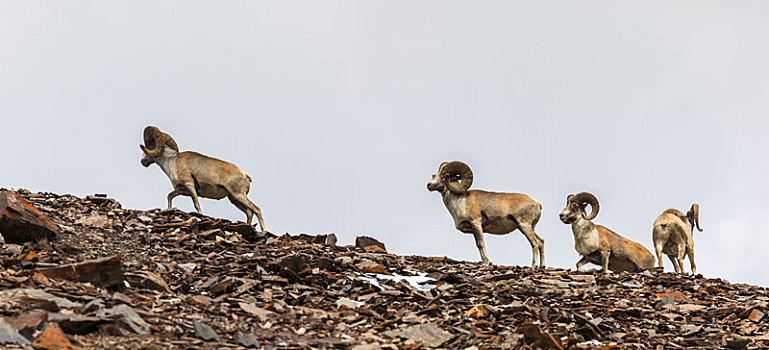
[677,296]
[689,308]
[254,310]
[93,220]
[94,305]
[428,334]
[226,285]
[27,323]
[149,280]
[480,311]
[665,301]
[365,241]
[370,266]
[53,338]
[20,221]
[247,339]
[188,267]
[200,300]
[77,324]
[348,303]
[9,334]
[127,316]
[204,331]
[29,294]
[105,272]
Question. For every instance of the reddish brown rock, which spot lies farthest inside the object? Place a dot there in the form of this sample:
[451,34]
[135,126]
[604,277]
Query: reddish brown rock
[26,323]
[756,315]
[150,280]
[369,266]
[105,272]
[365,241]
[53,338]
[20,221]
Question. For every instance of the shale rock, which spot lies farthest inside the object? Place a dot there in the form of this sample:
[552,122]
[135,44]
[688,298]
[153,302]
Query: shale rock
[20,221]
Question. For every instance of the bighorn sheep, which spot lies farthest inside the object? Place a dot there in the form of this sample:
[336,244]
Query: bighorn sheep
[672,235]
[478,211]
[195,175]
[598,244]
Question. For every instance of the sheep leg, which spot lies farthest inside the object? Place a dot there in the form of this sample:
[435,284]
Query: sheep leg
[680,257]
[171,196]
[478,235]
[242,208]
[581,263]
[258,212]
[605,261]
[690,253]
[658,250]
[247,206]
[194,195]
[537,245]
[675,263]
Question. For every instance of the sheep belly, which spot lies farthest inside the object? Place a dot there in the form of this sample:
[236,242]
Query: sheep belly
[211,191]
[499,226]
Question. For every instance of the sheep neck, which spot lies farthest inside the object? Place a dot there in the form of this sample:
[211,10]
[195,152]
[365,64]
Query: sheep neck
[586,239]
[456,205]
[581,226]
[167,162]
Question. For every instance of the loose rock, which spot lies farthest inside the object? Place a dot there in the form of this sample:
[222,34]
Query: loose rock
[20,221]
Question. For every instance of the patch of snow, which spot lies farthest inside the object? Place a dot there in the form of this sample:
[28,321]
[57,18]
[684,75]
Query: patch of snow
[418,281]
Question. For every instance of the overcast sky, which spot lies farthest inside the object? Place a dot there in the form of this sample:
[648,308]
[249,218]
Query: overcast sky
[341,111]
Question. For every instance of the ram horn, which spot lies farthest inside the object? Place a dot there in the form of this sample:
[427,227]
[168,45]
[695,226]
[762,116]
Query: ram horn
[453,169]
[586,197]
[155,140]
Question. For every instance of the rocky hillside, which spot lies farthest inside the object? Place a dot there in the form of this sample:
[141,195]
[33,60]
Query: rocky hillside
[99,276]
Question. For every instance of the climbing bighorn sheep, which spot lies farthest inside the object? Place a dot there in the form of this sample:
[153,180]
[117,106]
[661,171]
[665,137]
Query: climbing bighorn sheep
[598,244]
[672,235]
[478,211]
[195,175]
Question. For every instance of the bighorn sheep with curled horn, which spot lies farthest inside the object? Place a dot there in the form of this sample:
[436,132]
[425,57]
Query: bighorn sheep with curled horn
[479,211]
[672,235]
[598,244]
[195,175]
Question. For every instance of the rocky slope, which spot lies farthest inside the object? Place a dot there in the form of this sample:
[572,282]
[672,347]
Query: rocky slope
[129,279]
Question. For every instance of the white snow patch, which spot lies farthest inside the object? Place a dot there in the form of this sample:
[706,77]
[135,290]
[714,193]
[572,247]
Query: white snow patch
[418,281]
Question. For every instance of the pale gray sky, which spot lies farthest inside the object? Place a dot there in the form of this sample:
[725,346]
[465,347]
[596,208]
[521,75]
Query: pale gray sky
[341,111]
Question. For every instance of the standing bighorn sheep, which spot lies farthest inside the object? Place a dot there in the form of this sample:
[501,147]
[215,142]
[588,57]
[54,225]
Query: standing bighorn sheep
[195,175]
[672,235]
[598,244]
[478,211]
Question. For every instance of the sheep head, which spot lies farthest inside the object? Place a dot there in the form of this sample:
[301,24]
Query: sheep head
[156,143]
[455,176]
[694,216]
[575,206]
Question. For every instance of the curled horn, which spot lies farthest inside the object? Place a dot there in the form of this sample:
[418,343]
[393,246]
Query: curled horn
[587,198]
[454,169]
[155,140]
[694,215]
